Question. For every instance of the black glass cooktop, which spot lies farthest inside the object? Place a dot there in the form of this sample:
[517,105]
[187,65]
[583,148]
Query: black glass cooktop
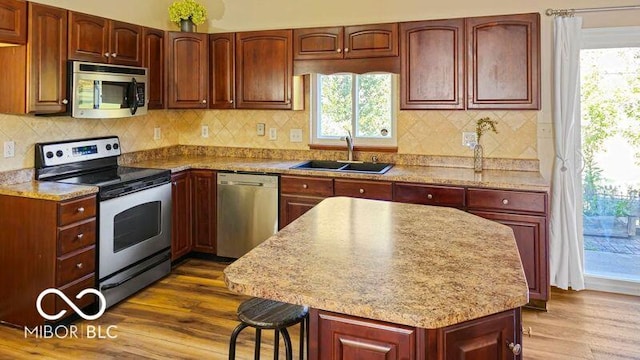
[114,176]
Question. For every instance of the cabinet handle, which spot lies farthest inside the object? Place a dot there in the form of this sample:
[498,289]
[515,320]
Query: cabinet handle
[204,101]
[80,265]
[516,349]
[80,236]
[346,50]
[429,196]
[65,101]
[305,186]
[230,101]
[288,102]
[114,55]
[80,210]
[106,54]
[361,191]
[339,50]
[505,202]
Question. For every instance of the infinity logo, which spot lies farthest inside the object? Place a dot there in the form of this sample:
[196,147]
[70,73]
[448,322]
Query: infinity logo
[103,304]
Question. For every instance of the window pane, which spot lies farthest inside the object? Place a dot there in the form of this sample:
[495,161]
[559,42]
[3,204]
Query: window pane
[374,105]
[335,107]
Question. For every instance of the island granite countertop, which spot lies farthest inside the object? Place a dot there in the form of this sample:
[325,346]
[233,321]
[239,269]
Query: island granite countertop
[414,265]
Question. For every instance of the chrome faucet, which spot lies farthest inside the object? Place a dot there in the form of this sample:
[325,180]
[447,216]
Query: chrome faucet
[349,140]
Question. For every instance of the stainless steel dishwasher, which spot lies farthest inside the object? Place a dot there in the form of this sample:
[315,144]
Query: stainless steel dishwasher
[247,211]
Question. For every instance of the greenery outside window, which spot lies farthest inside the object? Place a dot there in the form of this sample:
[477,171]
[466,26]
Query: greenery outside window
[364,104]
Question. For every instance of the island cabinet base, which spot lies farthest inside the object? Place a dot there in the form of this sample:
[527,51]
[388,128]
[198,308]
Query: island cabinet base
[341,337]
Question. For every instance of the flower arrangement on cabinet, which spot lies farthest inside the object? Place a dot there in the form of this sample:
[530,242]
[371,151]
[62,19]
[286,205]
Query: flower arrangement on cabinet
[187,10]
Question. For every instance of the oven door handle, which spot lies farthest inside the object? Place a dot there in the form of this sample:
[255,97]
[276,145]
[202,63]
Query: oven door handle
[121,282]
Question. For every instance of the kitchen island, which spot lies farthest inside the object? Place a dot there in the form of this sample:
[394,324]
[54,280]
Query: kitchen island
[393,281]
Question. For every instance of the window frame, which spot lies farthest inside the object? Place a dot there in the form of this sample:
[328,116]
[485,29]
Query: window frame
[390,142]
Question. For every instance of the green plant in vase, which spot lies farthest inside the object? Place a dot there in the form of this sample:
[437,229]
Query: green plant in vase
[482,126]
[186,13]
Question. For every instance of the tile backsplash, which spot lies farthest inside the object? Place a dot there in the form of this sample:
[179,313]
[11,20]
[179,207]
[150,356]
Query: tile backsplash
[419,132]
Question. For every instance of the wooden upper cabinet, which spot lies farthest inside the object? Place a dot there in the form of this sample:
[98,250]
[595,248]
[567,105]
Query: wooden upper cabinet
[153,60]
[432,64]
[318,43]
[13,21]
[125,44]
[187,66]
[503,65]
[349,42]
[264,69]
[47,61]
[88,38]
[222,85]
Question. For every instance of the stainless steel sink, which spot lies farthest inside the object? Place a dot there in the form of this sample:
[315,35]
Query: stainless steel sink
[355,167]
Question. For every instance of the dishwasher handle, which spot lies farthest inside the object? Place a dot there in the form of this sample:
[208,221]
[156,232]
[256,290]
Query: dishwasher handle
[242,183]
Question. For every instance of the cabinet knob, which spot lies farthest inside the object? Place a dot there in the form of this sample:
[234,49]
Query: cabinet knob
[288,101]
[80,210]
[230,101]
[429,196]
[505,202]
[361,191]
[80,265]
[80,236]
[204,101]
[65,101]
[305,186]
[339,50]
[106,54]
[346,50]
[515,348]
[114,55]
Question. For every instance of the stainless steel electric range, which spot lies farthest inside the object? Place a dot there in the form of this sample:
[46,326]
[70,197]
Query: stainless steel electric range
[134,211]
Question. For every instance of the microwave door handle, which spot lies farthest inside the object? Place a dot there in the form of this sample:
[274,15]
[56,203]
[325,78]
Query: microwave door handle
[97,97]
[133,96]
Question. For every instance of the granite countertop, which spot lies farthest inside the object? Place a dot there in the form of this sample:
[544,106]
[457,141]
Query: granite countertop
[414,265]
[47,190]
[511,180]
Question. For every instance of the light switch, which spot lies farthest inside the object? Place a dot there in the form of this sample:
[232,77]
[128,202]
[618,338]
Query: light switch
[273,134]
[295,135]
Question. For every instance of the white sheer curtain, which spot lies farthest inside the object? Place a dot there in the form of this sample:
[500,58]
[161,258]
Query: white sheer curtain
[566,252]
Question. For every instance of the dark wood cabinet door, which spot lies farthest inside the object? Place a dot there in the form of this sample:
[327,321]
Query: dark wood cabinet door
[429,194]
[318,43]
[125,44]
[181,210]
[203,199]
[222,69]
[264,66]
[531,238]
[432,64]
[342,337]
[367,41]
[292,207]
[187,81]
[503,64]
[13,21]
[47,59]
[153,60]
[485,338]
[88,38]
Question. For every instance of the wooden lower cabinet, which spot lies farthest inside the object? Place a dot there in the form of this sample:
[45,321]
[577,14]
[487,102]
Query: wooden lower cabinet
[342,337]
[203,200]
[181,243]
[292,207]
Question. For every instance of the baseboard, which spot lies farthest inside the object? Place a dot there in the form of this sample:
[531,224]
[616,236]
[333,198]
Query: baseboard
[617,286]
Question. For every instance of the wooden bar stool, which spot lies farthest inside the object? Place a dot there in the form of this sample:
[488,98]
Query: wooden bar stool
[264,314]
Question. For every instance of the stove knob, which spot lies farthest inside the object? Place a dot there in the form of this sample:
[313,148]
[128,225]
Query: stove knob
[59,153]
[108,147]
[49,154]
[115,146]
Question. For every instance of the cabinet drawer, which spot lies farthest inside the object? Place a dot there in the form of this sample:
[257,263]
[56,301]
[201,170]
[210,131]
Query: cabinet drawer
[73,289]
[76,210]
[75,265]
[76,236]
[504,200]
[428,195]
[300,185]
[376,190]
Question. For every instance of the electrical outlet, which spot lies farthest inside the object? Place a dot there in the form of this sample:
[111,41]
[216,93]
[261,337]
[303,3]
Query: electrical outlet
[469,139]
[9,149]
[273,134]
[157,133]
[295,135]
[260,129]
[205,131]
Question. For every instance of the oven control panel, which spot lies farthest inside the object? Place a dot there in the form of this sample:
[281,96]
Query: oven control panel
[60,153]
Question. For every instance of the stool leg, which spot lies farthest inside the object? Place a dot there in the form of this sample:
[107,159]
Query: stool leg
[287,343]
[302,339]
[256,351]
[276,345]
[234,338]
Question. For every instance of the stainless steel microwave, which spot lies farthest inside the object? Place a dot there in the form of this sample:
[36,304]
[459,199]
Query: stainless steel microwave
[101,91]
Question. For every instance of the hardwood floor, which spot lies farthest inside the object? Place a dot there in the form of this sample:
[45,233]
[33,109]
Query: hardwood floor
[190,315]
